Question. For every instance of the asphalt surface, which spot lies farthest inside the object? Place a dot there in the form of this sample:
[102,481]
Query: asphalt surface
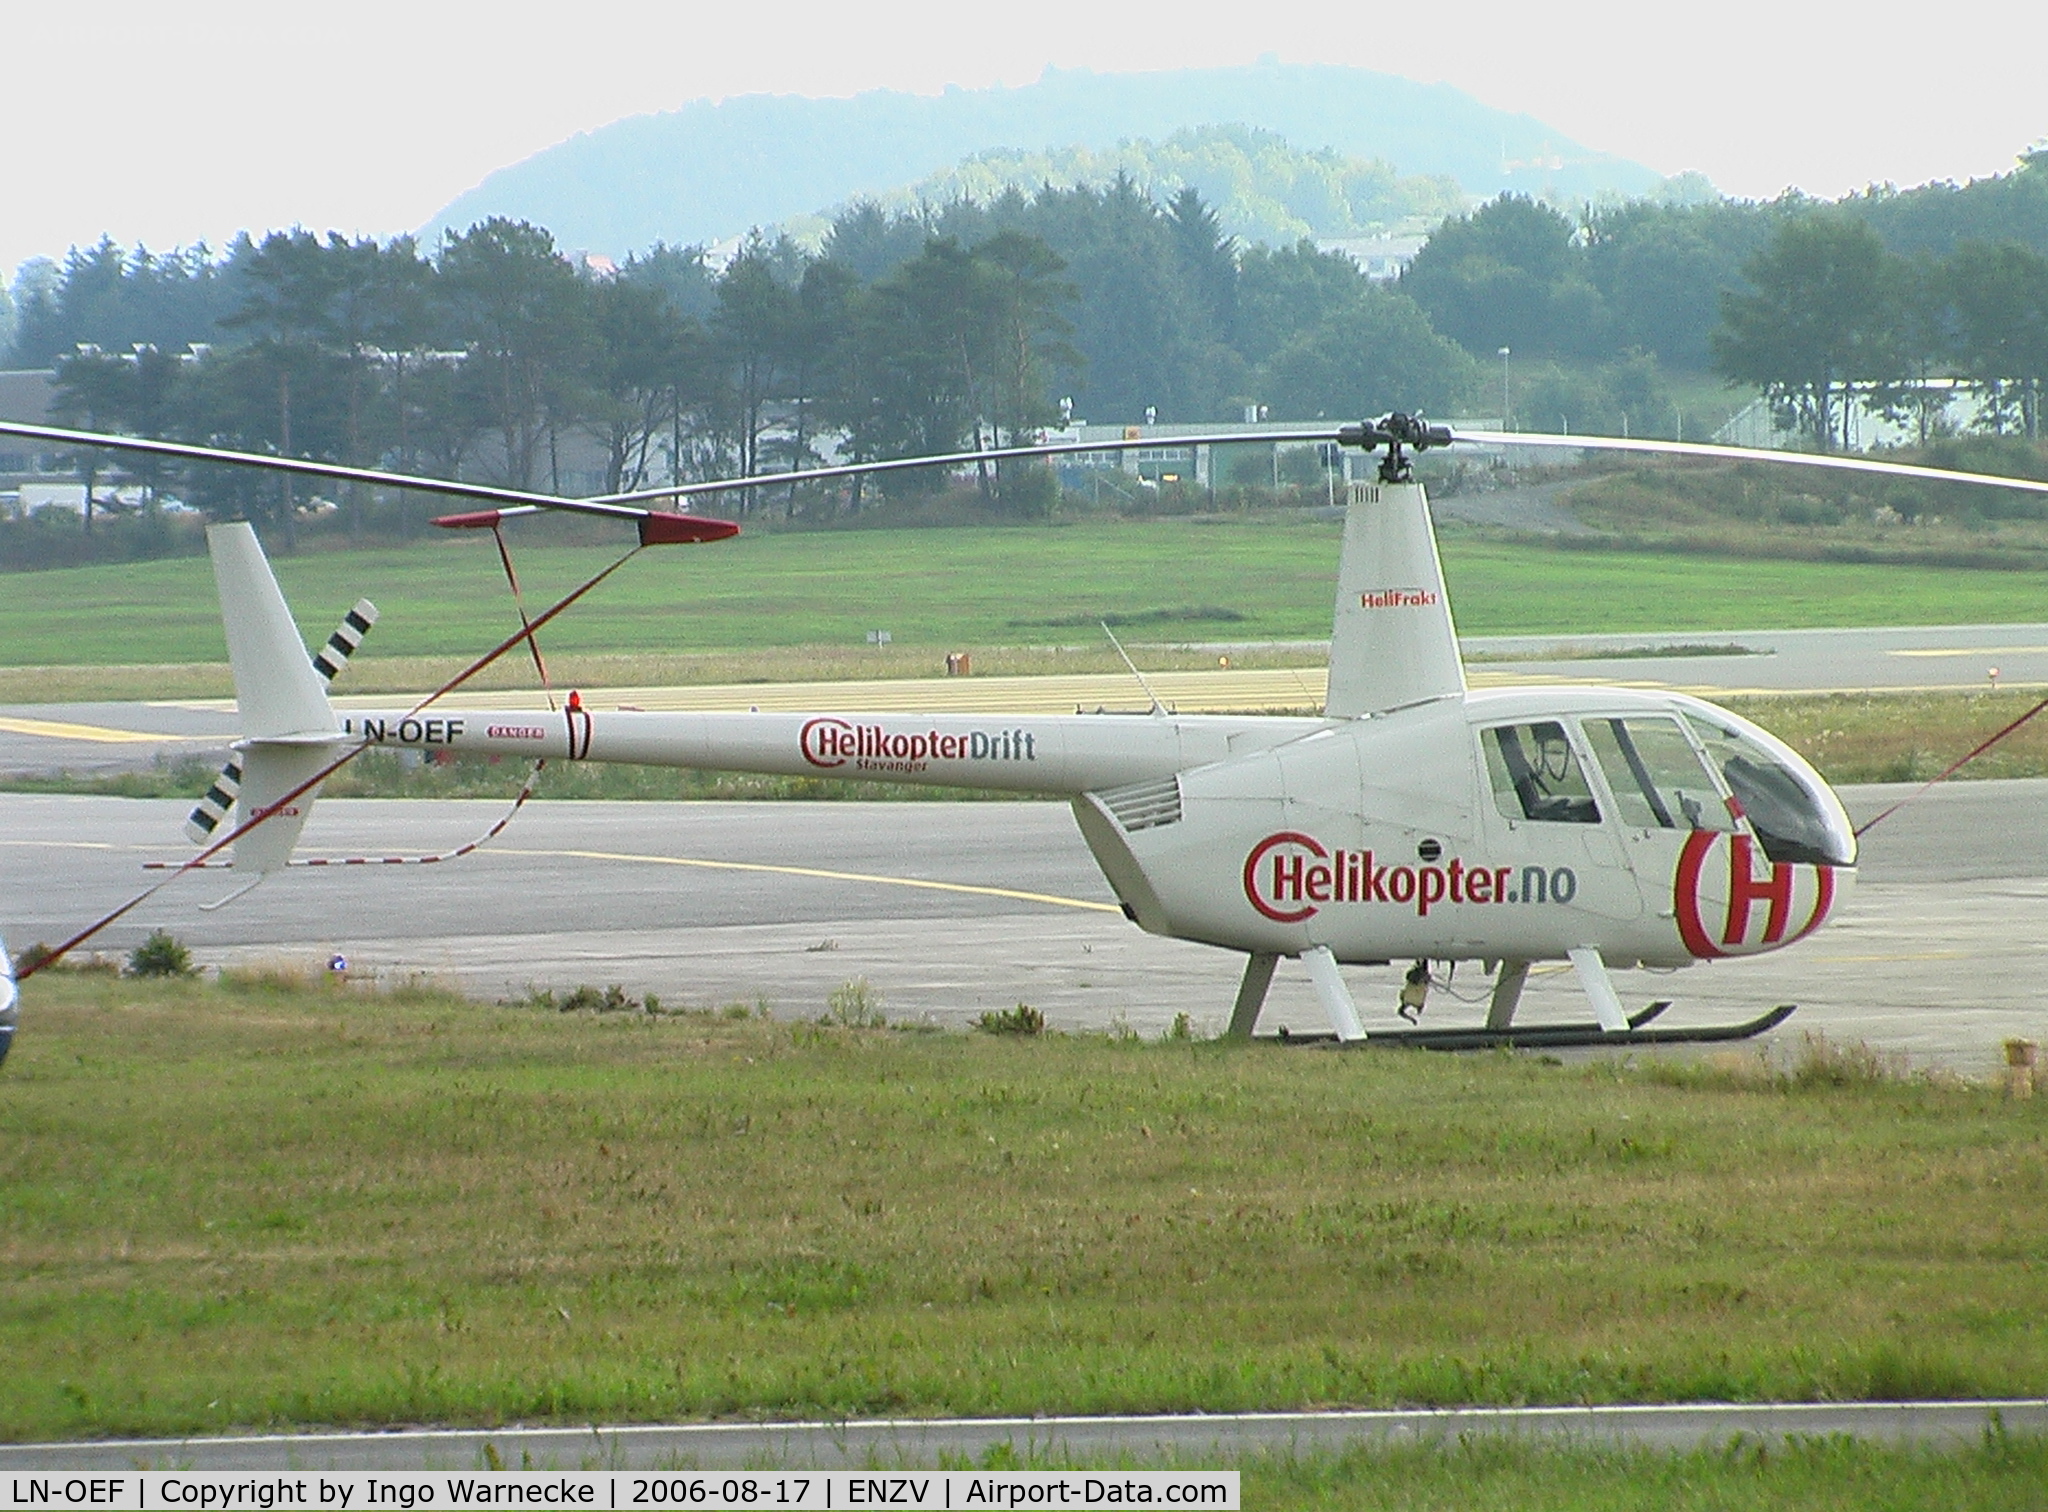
[951,909]
[1193,1439]
[103,737]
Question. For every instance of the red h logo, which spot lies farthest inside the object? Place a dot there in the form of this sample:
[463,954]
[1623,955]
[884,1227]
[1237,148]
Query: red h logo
[1744,890]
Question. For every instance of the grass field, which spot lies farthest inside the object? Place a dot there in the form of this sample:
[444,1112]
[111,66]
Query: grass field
[1804,1477]
[259,1204]
[938,590]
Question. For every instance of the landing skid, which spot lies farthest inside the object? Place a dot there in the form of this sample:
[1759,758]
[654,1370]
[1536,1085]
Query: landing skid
[1559,1036]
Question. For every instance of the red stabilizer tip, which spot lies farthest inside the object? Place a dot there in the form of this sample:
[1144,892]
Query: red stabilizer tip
[476,519]
[662,528]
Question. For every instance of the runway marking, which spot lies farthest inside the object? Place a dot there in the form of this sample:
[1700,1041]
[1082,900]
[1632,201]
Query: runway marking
[819,872]
[861,1443]
[76,845]
[100,734]
[1972,651]
[1917,955]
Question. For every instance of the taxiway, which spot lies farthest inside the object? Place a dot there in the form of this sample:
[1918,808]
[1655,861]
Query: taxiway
[949,910]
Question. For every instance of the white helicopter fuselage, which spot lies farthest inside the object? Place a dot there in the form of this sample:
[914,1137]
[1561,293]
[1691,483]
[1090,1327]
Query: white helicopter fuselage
[1380,837]
[1414,820]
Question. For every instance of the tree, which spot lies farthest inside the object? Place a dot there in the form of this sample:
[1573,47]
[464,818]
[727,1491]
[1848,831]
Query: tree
[287,286]
[1285,292]
[642,358]
[91,394]
[918,358]
[1815,318]
[1377,353]
[817,331]
[2001,327]
[871,243]
[1510,274]
[1141,329]
[1922,341]
[1208,257]
[751,330]
[1020,288]
[1661,271]
[523,313]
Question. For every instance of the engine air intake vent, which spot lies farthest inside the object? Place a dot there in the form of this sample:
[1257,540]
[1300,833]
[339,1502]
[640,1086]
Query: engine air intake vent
[1144,805]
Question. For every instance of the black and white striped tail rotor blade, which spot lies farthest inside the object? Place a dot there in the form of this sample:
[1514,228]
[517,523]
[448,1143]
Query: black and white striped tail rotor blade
[341,645]
[213,808]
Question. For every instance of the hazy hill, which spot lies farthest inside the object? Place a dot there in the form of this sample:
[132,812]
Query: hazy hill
[710,170]
[1262,187]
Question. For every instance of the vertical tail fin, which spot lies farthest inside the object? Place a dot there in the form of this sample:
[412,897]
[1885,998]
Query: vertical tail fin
[289,729]
[1393,642]
[276,688]
[213,807]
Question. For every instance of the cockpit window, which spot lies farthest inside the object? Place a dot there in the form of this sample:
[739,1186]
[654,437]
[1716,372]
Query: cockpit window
[1656,776]
[1536,775]
[1792,820]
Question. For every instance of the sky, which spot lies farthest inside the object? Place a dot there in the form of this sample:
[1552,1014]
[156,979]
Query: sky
[169,127]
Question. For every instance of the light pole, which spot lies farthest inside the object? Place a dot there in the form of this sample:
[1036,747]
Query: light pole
[1505,423]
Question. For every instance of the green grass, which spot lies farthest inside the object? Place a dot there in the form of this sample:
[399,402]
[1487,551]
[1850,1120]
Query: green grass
[262,1205]
[936,590]
[1906,737]
[1798,1477]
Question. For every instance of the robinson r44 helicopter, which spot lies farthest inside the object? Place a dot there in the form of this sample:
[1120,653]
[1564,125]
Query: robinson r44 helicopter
[1415,820]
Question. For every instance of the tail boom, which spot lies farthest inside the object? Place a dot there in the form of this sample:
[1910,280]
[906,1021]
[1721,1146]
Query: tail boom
[1062,754]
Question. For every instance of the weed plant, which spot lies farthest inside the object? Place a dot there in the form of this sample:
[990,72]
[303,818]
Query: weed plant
[2003,1474]
[161,955]
[1022,1019]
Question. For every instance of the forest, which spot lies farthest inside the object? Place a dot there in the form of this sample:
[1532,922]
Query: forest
[981,321]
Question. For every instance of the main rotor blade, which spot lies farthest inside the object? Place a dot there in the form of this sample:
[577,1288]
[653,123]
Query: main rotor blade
[1753,454]
[637,504]
[484,493]
[996,454]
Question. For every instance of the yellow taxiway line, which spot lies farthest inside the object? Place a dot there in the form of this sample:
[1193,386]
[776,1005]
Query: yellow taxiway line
[99,734]
[813,871]
[821,873]
[1969,651]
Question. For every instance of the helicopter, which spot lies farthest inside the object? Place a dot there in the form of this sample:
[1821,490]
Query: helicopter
[1414,820]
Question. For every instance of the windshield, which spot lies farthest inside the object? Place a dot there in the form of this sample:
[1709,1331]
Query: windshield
[1656,775]
[1794,814]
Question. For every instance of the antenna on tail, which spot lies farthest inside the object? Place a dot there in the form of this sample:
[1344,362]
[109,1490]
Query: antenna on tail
[1157,706]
